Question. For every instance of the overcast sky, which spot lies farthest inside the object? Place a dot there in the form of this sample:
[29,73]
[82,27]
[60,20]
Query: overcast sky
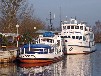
[86,10]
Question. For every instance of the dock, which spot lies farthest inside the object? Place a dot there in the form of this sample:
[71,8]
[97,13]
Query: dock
[8,55]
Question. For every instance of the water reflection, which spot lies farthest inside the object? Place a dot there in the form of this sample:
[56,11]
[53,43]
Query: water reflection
[54,69]
[78,65]
[71,65]
[8,70]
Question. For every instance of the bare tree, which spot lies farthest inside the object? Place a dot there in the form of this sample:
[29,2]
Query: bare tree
[97,31]
[8,12]
[31,25]
[14,12]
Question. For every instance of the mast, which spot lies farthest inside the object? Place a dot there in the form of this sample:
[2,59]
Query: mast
[50,21]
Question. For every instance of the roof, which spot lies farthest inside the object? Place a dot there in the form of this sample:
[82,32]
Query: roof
[42,31]
[37,46]
[48,34]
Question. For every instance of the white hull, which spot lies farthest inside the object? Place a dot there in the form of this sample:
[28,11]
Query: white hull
[79,50]
[40,56]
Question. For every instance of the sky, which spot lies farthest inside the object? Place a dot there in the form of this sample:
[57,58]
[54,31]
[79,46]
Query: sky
[84,10]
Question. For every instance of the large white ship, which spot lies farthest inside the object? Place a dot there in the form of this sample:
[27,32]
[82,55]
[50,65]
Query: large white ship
[78,37]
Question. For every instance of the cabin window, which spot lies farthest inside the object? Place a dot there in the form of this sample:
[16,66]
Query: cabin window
[49,40]
[76,27]
[39,40]
[85,29]
[72,27]
[46,50]
[33,49]
[64,27]
[77,37]
[65,36]
[62,36]
[53,41]
[84,38]
[58,42]
[81,27]
[80,37]
[73,37]
[68,36]
[66,41]
[43,39]
[68,27]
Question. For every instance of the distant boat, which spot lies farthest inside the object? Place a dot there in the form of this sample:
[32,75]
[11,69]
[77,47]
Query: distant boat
[78,37]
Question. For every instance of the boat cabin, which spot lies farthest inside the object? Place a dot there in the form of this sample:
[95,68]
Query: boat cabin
[36,49]
[74,27]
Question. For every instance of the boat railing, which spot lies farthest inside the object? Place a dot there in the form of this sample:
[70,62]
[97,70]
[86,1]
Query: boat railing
[39,51]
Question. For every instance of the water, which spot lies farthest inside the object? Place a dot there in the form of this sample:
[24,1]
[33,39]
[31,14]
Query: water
[71,65]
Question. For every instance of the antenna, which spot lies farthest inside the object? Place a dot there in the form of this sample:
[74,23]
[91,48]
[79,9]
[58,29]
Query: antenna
[75,17]
[54,15]
[66,18]
[60,18]
[50,19]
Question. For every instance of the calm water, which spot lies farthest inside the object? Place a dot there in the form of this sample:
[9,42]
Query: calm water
[72,65]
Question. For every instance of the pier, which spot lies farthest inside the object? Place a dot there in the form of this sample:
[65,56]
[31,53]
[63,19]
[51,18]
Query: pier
[7,54]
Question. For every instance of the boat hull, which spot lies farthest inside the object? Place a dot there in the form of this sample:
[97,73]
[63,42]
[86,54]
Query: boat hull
[70,50]
[40,60]
[35,60]
[26,65]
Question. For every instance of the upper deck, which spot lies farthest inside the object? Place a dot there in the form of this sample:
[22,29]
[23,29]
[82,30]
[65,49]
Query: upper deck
[73,26]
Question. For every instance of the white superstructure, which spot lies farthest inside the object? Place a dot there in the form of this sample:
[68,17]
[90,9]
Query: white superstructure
[78,37]
[49,38]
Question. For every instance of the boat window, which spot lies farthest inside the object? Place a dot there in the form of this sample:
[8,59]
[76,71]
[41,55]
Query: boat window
[85,29]
[65,37]
[43,39]
[39,40]
[72,27]
[84,38]
[77,37]
[45,50]
[76,27]
[80,37]
[49,40]
[64,27]
[73,37]
[33,49]
[58,42]
[68,27]
[53,41]
[66,41]
[81,27]
[68,36]
[62,36]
